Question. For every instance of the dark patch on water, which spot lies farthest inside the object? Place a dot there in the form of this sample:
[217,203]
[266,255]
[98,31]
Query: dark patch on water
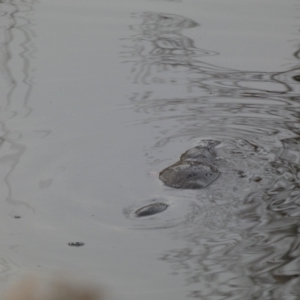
[151,209]
[76,244]
[161,213]
[297,78]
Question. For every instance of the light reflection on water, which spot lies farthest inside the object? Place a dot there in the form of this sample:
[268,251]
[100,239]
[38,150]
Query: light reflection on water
[16,19]
[16,84]
[242,239]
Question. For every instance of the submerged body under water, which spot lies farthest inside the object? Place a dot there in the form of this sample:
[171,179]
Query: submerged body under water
[196,169]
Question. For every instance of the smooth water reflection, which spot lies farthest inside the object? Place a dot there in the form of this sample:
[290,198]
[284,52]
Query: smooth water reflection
[242,239]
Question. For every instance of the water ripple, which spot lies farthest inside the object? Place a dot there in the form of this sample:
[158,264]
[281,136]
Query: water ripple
[243,240]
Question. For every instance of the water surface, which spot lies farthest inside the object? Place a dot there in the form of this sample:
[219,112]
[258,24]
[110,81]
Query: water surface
[97,97]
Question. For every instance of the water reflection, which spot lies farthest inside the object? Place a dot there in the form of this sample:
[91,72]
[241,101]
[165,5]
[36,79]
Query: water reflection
[16,20]
[7,268]
[159,49]
[243,240]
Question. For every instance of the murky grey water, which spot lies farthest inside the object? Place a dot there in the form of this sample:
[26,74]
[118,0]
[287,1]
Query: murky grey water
[97,97]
